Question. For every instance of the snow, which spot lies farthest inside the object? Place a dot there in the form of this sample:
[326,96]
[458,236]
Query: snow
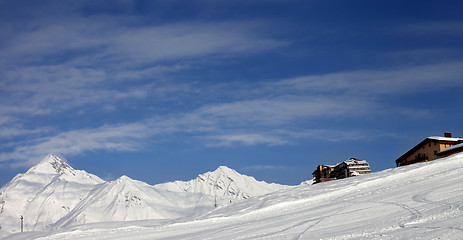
[125,200]
[445,139]
[353,161]
[52,195]
[43,194]
[419,201]
[224,183]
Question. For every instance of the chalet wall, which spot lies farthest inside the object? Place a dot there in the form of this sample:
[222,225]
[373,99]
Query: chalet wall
[426,153]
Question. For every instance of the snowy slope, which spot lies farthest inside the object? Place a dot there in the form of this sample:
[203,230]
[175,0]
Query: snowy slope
[125,199]
[420,201]
[224,183]
[43,195]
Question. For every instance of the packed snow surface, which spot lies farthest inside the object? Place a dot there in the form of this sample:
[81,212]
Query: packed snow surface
[420,201]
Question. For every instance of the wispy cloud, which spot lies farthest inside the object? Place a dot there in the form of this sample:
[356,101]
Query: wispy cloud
[14,131]
[281,110]
[244,139]
[271,114]
[188,40]
[374,82]
[95,60]
[125,137]
[105,40]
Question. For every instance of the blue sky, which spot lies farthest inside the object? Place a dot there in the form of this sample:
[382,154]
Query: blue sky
[165,90]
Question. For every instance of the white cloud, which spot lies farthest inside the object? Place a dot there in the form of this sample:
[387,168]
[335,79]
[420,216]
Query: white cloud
[244,139]
[374,82]
[186,40]
[125,137]
[14,131]
[51,89]
[282,110]
[110,40]
[332,135]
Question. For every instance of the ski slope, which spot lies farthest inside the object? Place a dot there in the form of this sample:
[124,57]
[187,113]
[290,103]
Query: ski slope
[421,201]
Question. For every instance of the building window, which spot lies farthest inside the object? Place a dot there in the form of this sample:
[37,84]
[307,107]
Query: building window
[435,152]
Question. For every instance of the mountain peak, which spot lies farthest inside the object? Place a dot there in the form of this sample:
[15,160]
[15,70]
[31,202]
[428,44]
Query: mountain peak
[225,169]
[52,164]
[123,179]
[225,183]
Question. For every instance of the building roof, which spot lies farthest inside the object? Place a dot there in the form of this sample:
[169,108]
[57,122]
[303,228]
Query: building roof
[353,161]
[425,141]
[446,139]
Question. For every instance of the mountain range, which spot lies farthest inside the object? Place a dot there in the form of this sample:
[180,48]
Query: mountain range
[53,195]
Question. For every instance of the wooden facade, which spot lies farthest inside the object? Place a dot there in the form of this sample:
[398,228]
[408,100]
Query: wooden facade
[451,150]
[430,149]
[323,173]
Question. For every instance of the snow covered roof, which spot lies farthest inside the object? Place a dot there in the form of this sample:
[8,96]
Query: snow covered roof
[445,139]
[354,161]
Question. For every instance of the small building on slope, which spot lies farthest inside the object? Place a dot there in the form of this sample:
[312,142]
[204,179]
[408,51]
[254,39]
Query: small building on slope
[430,149]
[349,168]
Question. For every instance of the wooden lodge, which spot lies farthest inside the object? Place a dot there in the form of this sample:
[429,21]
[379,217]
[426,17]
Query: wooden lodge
[350,167]
[430,149]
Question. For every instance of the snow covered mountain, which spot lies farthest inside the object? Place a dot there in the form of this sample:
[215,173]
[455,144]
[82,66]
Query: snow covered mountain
[43,195]
[224,183]
[53,195]
[126,200]
[419,201]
